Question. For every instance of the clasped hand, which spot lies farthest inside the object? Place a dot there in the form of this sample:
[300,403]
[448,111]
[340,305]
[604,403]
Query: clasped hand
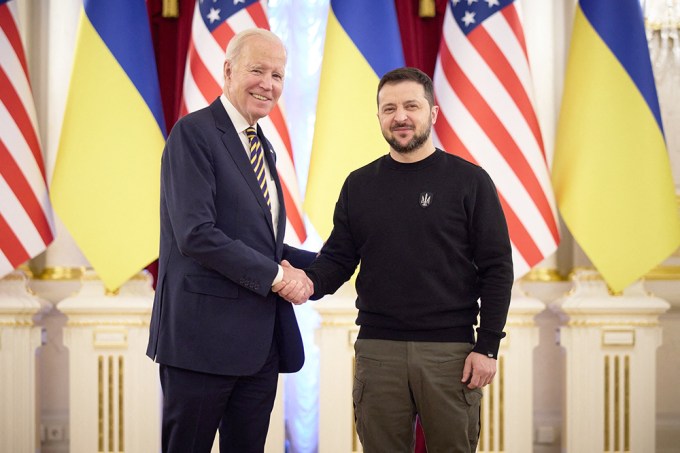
[295,287]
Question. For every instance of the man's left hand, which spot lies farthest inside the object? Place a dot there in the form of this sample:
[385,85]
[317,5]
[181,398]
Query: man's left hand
[479,370]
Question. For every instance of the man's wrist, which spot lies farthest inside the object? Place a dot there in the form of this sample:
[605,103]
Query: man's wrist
[279,276]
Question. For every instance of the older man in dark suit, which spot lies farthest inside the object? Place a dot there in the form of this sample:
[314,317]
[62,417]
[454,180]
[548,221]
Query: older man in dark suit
[219,330]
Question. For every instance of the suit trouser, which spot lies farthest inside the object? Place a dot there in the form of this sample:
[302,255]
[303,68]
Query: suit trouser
[395,380]
[196,404]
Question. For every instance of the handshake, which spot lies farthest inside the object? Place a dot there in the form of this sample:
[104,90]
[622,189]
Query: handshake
[295,287]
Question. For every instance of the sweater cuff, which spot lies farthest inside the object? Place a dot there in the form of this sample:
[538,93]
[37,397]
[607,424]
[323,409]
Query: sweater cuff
[318,294]
[488,342]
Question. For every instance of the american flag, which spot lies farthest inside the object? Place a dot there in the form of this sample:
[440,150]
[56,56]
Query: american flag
[215,22]
[26,226]
[484,89]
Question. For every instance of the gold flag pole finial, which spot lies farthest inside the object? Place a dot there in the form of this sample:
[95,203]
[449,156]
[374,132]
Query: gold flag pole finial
[426,8]
[171,9]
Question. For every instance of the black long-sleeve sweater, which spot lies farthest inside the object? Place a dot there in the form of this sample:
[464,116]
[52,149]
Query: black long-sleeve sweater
[432,240]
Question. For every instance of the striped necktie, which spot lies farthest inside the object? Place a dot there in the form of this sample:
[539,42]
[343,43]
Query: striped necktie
[257,161]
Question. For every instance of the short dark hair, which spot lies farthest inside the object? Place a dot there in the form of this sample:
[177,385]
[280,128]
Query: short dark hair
[409,74]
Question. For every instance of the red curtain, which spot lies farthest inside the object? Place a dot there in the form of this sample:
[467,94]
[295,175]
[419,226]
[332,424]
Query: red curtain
[170,43]
[420,35]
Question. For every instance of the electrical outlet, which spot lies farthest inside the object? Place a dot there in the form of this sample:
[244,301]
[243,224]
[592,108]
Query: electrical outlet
[55,433]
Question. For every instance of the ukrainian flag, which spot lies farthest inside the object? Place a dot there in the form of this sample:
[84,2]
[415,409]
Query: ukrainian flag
[105,186]
[611,169]
[362,44]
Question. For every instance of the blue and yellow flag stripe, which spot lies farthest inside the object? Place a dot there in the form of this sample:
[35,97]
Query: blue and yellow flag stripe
[629,52]
[611,170]
[362,44]
[106,183]
[112,21]
[371,26]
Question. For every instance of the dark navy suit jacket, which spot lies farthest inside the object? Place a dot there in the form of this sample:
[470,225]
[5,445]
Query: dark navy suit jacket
[214,310]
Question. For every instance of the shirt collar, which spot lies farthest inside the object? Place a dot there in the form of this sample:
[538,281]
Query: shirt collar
[240,123]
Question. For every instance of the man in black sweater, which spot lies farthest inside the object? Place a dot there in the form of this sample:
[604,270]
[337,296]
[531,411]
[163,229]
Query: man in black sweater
[431,237]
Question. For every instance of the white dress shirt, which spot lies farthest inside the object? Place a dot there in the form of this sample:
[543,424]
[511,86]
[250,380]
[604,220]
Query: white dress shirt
[241,125]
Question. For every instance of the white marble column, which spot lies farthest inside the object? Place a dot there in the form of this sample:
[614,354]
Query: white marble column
[611,344]
[335,338]
[507,406]
[114,394]
[19,339]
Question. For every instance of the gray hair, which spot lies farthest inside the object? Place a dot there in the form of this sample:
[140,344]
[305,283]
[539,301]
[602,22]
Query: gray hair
[235,46]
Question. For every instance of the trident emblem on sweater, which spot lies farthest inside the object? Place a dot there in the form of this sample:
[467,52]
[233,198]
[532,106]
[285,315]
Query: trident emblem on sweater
[425,199]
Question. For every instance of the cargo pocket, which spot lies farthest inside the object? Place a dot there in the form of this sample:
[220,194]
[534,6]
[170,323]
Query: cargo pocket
[357,394]
[473,398]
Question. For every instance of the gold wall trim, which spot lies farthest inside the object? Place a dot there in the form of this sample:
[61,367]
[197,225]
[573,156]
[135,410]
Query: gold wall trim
[111,411]
[658,26]
[501,403]
[107,322]
[617,403]
[59,273]
[110,384]
[141,276]
[492,413]
[94,277]
[626,403]
[121,412]
[15,277]
[16,323]
[606,403]
[544,275]
[596,323]
[492,409]
[111,293]
[664,273]
[100,401]
[26,270]
[593,275]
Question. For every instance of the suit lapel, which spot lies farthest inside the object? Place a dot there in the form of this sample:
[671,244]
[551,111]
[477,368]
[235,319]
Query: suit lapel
[232,142]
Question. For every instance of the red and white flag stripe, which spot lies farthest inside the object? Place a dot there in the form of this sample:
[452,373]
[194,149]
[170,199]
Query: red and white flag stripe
[26,225]
[484,90]
[203,82]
